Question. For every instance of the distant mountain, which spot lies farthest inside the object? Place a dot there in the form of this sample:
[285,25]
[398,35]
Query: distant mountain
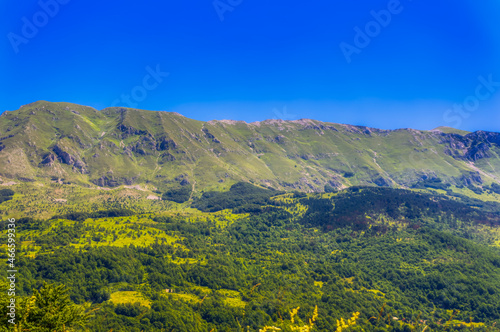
[46,141]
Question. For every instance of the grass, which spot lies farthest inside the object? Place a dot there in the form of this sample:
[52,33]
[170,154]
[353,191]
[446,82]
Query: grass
[118,232]
[131,297]
[185,297]
[231,298]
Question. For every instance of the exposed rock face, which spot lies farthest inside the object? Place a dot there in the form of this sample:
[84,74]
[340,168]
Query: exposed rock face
[106,181]
[166,157]
[209,136]
[66,158]
[381,182]
[130,131]
[49,160]
[165,144]
[471,147]
[478,151]
[471,178]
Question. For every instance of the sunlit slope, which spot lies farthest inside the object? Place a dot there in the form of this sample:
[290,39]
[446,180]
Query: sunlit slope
[116,146]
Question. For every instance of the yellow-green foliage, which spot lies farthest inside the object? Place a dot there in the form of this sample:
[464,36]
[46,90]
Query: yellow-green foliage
[118,232]
[404,266]
[294,324]
[342,325]
[180,260]
[220,218]
[103,227]
[471,325]
[129,297]
[185,297]
[232,298]
[203,289]
[291,204]
[319,284]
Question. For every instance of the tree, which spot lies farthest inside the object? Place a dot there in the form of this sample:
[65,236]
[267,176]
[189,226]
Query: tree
[48,309]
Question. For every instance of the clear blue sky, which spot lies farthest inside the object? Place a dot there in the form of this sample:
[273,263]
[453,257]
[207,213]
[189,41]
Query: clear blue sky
[264,59]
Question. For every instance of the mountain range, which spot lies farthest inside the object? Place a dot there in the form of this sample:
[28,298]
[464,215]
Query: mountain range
[122,146]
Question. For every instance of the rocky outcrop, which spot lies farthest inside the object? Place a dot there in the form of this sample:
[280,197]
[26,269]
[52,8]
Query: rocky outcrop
[381,182]
[165,144]
[69,159]
[471,179]
[478,151]
[48,160]
[64,156]
[471,147]
[127,131]
[106,181]
[209,136]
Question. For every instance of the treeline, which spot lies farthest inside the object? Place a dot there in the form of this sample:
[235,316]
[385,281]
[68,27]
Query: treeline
[357,206]
[179,195]
[81,216]
[242,195]
[6,195]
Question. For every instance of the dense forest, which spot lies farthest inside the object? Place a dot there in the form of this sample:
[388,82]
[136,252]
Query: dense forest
[362,259]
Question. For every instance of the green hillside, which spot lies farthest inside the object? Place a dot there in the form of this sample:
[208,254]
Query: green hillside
[75,144]
[131,220]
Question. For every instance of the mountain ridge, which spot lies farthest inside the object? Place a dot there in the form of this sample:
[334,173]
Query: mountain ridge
[125,146]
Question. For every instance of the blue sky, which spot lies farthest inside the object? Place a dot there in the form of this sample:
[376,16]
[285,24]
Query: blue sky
[386,64]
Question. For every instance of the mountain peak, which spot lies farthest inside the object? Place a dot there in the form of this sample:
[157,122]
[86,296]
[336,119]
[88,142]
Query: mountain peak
[450,130]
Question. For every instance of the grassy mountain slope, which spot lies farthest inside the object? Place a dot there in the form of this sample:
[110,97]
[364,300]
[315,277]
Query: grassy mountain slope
[449,130]
[117,146]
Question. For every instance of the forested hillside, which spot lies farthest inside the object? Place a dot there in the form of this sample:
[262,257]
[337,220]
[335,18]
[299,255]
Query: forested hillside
[381,259]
